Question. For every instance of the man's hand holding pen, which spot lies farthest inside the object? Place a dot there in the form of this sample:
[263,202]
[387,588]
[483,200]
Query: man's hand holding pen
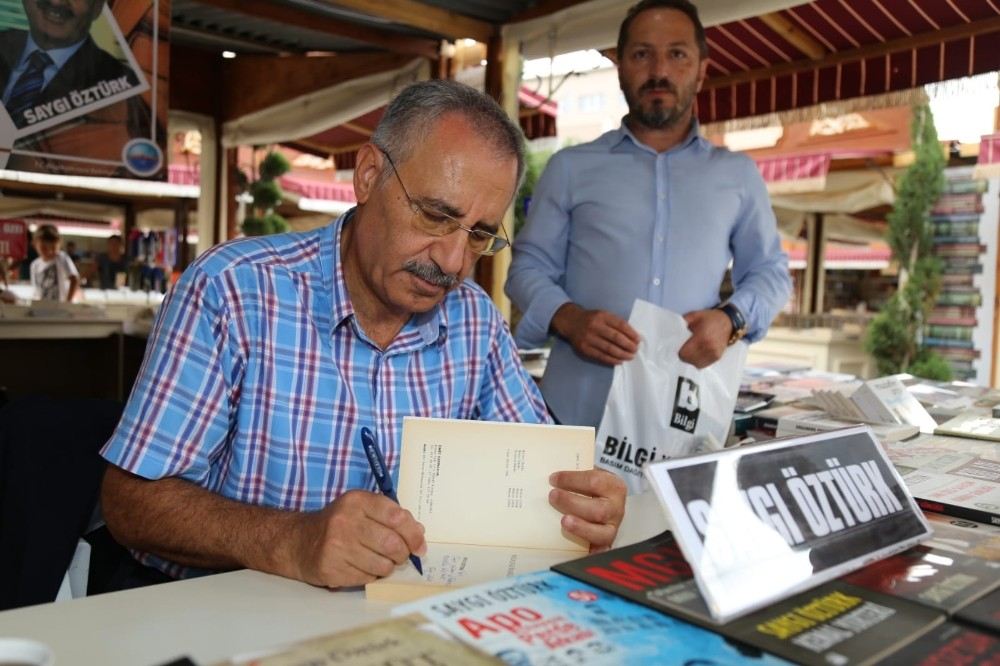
[357,538]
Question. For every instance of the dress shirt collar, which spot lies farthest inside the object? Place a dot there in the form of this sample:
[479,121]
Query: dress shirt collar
[430,325]
[623,134]
[59,56]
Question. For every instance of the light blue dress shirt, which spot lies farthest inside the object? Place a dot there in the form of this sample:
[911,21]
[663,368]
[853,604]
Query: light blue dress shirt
[613,220]
[59,58]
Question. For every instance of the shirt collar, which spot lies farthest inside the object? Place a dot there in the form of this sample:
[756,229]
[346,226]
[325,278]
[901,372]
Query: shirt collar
[430,325]
[59,56]
[623,134]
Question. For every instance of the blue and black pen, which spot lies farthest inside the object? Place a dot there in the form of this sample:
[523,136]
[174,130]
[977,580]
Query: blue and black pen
[382,477]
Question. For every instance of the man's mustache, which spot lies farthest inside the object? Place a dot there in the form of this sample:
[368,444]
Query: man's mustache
[431,273]
[658,84]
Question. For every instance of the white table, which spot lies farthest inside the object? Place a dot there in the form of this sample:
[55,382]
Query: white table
[207,619]
[220,617]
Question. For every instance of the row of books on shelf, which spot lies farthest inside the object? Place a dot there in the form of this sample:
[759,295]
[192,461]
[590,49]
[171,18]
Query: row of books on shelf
[955,229]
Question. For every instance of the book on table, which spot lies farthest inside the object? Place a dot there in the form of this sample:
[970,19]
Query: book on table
[481,490]
[835,623]
[951,475]
[401,640]
[948,644]
[546,619]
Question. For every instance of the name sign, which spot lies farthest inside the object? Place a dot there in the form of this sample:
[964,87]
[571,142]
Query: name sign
[765,521]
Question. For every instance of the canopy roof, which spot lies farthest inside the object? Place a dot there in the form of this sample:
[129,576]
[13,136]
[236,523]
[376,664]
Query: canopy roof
[829,50]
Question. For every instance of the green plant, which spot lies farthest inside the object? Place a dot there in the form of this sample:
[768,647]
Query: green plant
[534,165]
[266,195]
[894,335]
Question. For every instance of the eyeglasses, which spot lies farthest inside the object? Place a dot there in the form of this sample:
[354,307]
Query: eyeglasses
[440,224]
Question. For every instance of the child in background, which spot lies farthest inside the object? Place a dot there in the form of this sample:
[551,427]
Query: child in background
[52,274]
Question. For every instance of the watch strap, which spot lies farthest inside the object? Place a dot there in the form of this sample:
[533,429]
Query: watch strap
[737,320]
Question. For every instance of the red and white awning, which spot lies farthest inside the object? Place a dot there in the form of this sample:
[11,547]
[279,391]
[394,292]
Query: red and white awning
[988,165]
[795,173]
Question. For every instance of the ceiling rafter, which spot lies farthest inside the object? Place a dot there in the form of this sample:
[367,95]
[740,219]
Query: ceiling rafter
[301,19]
[794,35]
[930,38]
[426,17]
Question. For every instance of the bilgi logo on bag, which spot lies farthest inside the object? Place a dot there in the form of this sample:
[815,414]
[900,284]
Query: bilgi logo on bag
[686,406]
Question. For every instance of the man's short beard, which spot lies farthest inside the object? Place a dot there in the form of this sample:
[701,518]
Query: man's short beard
[659,116]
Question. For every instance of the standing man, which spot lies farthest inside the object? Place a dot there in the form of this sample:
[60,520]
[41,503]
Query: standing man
[240,444]
[652,211]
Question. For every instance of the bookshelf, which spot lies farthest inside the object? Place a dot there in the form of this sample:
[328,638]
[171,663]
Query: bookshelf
[960,327]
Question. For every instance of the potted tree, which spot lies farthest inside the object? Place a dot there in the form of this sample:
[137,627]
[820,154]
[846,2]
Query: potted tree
[893,337]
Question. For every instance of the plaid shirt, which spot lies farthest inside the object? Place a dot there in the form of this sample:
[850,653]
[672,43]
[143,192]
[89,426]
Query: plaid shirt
[258,379]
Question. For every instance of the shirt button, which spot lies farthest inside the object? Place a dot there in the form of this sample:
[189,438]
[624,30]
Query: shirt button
[662,197]
[659,237]
[656,281]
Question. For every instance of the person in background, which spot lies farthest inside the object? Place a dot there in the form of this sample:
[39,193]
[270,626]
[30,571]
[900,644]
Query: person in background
[111,262]
[240,444]
[650,210]
[72,252]
[53,274]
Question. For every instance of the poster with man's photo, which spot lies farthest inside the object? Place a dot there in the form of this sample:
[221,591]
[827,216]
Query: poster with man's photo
[83,86]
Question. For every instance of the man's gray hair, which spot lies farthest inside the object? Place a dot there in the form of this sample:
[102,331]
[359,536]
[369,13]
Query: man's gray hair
[411,114]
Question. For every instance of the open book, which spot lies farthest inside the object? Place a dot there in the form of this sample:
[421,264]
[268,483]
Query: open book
[481,491]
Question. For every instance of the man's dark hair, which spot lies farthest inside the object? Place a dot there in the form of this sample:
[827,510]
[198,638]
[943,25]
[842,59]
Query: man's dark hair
[683,6]
[48,233]
[413,111]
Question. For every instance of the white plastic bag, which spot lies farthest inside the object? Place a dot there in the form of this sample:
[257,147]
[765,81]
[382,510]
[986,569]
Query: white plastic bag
[661,407]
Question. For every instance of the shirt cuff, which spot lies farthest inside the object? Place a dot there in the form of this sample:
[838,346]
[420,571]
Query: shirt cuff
[533,330]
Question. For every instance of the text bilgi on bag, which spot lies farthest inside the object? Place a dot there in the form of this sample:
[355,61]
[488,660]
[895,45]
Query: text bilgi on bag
[661,407]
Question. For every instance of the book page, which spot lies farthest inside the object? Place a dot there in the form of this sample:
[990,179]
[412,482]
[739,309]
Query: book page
[486,483]
[448,565]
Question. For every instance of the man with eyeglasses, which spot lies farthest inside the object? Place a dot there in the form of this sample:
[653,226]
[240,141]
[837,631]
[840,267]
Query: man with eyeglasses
[240,444]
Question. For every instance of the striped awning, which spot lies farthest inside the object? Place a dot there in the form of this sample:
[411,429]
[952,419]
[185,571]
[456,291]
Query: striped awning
[795,173]
[833,50]
[988,165]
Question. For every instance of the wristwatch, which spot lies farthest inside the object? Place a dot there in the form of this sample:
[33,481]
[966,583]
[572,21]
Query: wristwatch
[737,319]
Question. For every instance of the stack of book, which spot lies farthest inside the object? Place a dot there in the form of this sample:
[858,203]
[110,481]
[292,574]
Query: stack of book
[956,232]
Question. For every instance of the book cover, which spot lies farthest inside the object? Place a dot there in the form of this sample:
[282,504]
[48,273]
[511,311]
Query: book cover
[481,490]
[835,623]
[972,424]
[951,475]
[396,641]
[886,400]
[930,576]
[547,619]
[819,421]
[760,523]
[948,645]
[983,614]
[964,537]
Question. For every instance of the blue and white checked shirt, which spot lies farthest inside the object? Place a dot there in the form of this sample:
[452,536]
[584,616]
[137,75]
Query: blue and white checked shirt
[257,378]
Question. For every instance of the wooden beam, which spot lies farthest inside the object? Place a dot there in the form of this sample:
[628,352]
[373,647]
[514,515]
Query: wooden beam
[287,15]
[424,16]
[963,31]
[794,35]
